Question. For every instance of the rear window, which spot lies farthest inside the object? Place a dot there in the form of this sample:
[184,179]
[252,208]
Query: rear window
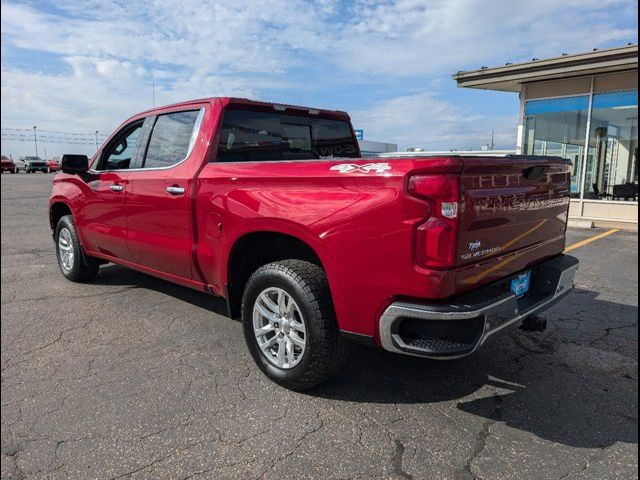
[249,136]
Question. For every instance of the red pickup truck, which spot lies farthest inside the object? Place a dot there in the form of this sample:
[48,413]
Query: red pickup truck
[271,207]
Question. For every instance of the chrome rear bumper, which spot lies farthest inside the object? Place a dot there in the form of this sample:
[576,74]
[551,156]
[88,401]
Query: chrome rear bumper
[458,327]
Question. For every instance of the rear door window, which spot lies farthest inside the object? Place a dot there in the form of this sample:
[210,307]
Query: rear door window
[249,136]
[171,139]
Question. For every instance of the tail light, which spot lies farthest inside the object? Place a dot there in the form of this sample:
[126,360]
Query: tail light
[437,238]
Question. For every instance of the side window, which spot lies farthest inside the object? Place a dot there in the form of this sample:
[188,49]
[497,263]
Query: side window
[171,139]
[121,150]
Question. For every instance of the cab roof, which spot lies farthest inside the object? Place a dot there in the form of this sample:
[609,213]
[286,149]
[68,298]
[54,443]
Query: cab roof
[246,102]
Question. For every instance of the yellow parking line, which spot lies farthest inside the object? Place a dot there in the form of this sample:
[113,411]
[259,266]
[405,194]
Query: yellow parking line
[582,243]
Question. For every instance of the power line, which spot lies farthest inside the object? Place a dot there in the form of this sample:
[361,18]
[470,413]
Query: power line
[30,130]
[10,134]
[43,140]
[49,137]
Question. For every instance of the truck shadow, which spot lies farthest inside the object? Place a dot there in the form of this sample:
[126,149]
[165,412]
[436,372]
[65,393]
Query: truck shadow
[575,384]
[112,274]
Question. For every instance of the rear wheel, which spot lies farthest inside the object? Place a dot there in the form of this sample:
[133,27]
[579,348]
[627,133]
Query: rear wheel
[290,325]
[74,264]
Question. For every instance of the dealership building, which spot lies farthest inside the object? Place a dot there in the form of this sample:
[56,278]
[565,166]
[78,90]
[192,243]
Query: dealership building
[582,107]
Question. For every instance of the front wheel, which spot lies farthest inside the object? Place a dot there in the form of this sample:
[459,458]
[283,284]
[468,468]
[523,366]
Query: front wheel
[74,264]
[290,326]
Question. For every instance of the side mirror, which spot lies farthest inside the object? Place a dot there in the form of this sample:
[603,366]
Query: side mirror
[74,164]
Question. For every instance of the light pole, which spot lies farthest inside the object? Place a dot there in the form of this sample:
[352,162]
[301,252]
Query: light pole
[96,139]
[35,139]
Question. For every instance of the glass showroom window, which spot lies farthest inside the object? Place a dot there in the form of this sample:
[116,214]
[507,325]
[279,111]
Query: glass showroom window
[612,166]
[558,126]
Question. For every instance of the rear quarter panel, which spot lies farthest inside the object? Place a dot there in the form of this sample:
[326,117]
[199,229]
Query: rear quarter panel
[360,225]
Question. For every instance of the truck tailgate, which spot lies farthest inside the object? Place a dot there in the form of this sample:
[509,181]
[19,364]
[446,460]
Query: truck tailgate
[511,204]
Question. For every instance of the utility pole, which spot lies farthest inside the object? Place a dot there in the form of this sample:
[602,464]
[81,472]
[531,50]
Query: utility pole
[45,153]
[96,139]
[492,145]
[35,139]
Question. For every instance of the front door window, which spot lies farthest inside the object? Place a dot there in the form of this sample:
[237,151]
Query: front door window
[120,152]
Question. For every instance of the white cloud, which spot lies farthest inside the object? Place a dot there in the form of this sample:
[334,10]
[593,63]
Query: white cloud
[106,54]
[415,37]
[239,36]
[98,94]
[424,120]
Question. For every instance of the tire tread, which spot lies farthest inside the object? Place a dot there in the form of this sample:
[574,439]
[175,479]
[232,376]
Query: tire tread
[87,267]
[330,347]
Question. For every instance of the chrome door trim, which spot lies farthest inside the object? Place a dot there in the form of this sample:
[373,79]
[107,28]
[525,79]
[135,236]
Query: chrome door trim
[192,142]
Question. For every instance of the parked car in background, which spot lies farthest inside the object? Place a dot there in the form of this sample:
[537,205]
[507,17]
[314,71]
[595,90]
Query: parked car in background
[20,165]
[35,164]
[53,164]
[8,165]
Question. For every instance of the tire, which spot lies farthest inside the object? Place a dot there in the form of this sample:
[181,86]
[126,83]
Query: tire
[324,348]
[80,267]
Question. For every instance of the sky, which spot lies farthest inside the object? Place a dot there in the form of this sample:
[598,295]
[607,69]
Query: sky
[84,66]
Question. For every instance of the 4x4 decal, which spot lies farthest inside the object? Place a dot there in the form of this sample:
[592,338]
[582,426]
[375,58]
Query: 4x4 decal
[367,168]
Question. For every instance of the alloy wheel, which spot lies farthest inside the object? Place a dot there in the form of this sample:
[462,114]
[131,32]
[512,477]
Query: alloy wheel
[279,328]
[65,249]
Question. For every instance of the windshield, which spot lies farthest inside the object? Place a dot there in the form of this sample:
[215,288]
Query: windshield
[249,136]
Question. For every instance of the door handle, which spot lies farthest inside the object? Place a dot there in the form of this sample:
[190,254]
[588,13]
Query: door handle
[175,190]
[116,188]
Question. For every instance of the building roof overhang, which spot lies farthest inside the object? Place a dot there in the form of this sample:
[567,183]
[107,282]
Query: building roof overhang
[510,77]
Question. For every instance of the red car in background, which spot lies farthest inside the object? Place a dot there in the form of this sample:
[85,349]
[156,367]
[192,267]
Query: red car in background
[53,165]
[8,165]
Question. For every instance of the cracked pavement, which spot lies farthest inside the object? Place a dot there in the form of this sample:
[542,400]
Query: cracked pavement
[133,377]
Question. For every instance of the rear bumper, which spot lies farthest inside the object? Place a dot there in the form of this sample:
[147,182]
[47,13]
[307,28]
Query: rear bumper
[459,326]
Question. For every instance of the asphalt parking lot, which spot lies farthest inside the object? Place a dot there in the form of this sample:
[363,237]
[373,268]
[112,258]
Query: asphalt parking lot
[133,377]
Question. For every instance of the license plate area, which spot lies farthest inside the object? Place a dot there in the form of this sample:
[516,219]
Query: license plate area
[521,283]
